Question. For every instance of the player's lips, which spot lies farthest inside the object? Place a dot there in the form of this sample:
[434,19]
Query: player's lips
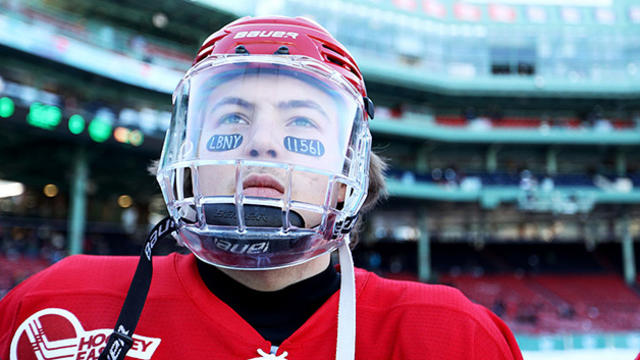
[262,185]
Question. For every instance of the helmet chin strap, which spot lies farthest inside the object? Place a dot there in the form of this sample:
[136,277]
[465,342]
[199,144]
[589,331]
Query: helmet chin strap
[346,343]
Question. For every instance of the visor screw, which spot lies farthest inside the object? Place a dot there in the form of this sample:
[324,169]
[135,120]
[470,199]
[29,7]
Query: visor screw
[240,49]
[282,50]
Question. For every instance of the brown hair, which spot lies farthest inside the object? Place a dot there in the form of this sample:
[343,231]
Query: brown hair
[377,189]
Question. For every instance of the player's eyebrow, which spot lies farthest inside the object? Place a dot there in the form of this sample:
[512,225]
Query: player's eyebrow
[233,100]
[309,104]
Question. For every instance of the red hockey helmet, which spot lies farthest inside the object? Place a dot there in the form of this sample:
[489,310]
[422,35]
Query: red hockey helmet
[266,160]
[284,35]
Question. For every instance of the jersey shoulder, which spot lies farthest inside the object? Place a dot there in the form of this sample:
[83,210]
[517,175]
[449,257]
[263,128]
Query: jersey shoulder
[437,312]
[85,273]
[379,291]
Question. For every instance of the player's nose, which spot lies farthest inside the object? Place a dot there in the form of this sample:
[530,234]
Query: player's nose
[264,140]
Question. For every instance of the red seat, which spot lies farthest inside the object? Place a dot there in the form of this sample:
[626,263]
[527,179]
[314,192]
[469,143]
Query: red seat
[518,122]
[451,120]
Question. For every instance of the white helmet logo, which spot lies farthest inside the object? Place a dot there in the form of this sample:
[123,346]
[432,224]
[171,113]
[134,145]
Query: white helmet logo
[266,34]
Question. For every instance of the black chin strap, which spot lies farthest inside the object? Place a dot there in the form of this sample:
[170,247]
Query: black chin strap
[121,339]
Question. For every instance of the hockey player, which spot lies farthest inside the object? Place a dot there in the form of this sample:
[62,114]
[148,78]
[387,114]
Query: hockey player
[265,168]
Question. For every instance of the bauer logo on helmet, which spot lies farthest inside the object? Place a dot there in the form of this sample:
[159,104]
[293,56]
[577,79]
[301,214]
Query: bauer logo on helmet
[265,33]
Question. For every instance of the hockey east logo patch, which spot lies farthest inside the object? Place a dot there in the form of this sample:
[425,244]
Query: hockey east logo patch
[57,334]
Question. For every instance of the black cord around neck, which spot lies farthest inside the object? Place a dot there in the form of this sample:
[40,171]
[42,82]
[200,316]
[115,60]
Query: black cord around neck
[120,340]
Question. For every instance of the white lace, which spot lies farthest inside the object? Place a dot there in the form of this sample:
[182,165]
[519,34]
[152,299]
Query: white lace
[346,344]
[265,356]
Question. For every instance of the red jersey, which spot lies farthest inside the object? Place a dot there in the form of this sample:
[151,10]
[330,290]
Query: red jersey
[68,310]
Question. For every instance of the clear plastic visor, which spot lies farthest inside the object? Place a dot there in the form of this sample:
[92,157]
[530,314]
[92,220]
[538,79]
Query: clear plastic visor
[268,111]
[264,157]
[287,120]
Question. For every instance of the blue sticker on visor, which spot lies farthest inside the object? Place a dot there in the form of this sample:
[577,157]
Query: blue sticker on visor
[309,147]
[224,142]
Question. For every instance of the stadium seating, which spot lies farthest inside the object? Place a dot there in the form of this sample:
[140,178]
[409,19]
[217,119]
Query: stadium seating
[556,303]
[513,179]
[104,35]
[613,305]
[14,269]
[565,288]
[531,122]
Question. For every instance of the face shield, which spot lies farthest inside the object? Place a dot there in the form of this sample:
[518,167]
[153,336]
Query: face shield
[265,163]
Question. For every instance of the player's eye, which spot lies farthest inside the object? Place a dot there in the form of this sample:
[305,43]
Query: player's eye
[302,121]
[233,119]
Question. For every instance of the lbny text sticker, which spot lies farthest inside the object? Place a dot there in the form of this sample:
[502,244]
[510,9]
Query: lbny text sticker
[304,146]
[224,142]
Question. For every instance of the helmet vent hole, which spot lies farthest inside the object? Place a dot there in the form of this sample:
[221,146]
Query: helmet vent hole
[337,51]
[338,62]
